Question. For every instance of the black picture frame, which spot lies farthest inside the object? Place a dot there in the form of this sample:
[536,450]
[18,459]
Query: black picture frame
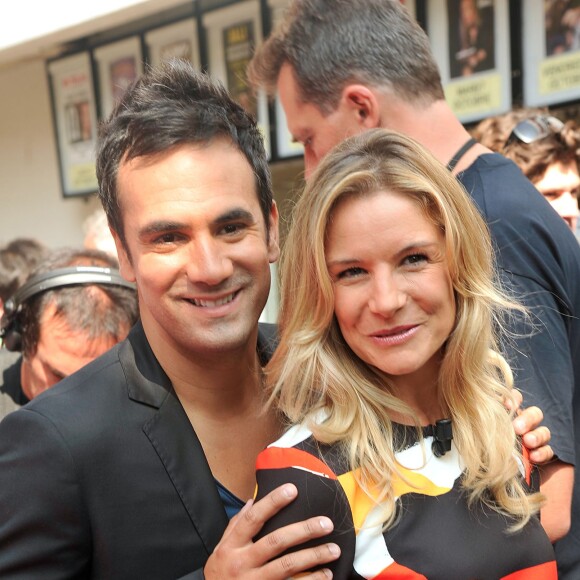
[551,53]
[473,54]
[75,121]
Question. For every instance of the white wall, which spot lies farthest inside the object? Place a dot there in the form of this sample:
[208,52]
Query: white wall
[31,203]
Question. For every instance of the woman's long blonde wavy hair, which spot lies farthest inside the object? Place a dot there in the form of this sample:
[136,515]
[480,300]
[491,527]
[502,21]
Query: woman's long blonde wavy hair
[314,368]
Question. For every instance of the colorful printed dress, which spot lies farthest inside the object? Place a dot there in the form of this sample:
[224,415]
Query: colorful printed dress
[437,537]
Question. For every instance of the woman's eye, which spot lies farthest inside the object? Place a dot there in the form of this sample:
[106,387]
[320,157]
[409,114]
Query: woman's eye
[415,259]
[350,273]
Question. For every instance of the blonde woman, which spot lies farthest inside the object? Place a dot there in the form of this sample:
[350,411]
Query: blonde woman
[390,372]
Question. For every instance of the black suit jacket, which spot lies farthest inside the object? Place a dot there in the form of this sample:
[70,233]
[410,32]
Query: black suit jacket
[103,476]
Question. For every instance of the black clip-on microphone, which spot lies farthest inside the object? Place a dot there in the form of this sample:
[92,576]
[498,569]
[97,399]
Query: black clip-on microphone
[442,436]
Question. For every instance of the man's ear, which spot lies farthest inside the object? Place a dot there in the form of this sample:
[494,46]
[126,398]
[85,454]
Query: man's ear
[125,266]
[363,102]
[273,235]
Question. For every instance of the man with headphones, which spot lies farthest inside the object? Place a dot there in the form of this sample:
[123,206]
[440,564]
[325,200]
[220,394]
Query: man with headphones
[72,309]
[18,258]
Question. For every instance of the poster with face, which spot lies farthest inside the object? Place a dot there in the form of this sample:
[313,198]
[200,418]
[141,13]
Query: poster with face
[551,51]
[471,43]
[471,36]
[561,26]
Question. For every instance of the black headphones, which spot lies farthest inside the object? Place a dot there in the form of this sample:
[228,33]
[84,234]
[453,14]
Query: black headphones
[10,330]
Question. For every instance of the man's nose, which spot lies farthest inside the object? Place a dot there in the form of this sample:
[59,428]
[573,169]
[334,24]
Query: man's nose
[209,263]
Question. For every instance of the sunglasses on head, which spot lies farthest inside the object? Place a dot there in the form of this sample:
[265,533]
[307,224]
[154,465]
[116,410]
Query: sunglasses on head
[535,128]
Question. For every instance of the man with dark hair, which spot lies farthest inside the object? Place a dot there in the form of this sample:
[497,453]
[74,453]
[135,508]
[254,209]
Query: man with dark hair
[60,329]
[18,259]
[341,67]
[132,467]
[546,150]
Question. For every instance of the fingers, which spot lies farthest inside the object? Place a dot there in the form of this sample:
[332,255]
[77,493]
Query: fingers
[537,443]
[528,420]
[254,515]
[238,556]
[516,401]
[537,438]
[542,455]
[296,562]
[534,437]
[323,574]
[280,540]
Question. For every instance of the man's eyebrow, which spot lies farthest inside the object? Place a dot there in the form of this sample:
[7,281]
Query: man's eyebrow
[160,226]
[235,214]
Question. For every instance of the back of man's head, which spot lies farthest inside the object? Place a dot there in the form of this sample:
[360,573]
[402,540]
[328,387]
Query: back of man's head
[18,259]
[331,43]
[168,107]
[97,310]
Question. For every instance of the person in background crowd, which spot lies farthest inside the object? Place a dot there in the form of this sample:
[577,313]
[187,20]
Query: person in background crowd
[545,149]
[97,233]
[340,67]
[60,328]
[18,259]
[390,371]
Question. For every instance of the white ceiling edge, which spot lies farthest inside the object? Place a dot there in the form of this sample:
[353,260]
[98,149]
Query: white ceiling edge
[30,30]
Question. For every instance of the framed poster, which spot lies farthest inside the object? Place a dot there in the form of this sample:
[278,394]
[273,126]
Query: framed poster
[75,121]
[470,41]
[119,64]
[232,33]
[551,52]
[177,40]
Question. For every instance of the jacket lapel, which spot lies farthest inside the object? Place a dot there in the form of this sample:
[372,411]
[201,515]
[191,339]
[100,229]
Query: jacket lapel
[174,439]
[172,435]
[178,447]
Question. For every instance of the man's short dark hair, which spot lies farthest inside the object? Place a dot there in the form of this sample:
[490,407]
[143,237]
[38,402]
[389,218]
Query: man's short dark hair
[18,259]
[167,107]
